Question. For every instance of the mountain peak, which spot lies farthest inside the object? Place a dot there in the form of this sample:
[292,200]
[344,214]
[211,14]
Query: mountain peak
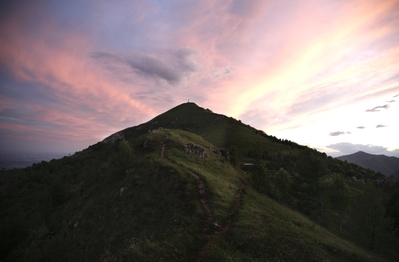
[379,163]
[362,153]
[171,189]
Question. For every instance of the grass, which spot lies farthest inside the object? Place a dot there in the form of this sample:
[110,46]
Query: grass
[221,179]
[219,130]
[264,230]
[72,209]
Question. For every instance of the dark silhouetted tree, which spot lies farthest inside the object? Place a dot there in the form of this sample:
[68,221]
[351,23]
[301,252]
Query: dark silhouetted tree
[393,210]
[233,153]
[371,219]
[337,197]
[283,182]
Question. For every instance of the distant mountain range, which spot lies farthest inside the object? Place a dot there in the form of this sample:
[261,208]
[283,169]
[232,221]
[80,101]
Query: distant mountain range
[387,165]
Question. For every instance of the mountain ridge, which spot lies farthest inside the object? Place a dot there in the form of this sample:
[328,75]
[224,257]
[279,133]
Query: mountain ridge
[174,189]
[387,165]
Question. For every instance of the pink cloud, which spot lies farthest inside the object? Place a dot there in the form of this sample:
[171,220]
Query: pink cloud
[64,68]
[263,59]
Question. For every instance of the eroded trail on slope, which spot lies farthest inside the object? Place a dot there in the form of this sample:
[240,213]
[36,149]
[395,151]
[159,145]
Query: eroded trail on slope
[204,203]
[212,230]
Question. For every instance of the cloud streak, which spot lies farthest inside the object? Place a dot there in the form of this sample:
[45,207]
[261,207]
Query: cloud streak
[337,133]
[171,66]
[377,108]
[297,70]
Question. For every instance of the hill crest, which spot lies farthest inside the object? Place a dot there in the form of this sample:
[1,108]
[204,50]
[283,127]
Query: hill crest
[165,191]
[387,165]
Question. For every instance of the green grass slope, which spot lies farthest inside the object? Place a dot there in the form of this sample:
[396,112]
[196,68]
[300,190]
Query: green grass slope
[174,206]
[163,191]
[264,230]
[221,131]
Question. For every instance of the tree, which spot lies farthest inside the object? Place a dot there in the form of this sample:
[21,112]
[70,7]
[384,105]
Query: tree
[337,196]
[313,168]
[259,170]
[233,153]
[371,219]
[123,158]
[393,210]
[257,151]
[283,183]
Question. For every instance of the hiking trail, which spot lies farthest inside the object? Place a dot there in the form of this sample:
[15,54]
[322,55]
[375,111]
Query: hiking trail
[212,230]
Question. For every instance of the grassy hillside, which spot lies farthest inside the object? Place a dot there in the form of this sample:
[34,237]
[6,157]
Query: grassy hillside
[219,130]
[171,195]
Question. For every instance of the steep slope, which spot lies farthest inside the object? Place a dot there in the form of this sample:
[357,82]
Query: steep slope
[158,203]
[167,191]
[221,131]
[379,163]
[115,200]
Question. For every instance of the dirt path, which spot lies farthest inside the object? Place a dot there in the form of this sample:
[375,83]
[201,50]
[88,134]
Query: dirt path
[211,230]
[204,203]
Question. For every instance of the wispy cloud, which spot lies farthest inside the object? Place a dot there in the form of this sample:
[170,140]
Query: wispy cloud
[337,133]
[380,126]
[171,66]
[377,108]
[360,127]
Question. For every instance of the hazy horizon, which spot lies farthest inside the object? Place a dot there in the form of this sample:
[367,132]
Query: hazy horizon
[10,160]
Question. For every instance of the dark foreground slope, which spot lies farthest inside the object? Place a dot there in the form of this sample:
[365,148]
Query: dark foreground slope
[171,195]
[386,165]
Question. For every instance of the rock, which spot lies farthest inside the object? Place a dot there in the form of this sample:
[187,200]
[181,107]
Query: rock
[162,149]
[113,138]
[388,182]
[194,150]
[221,152]
[122,190]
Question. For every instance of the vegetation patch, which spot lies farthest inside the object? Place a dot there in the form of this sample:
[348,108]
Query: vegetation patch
[191,185]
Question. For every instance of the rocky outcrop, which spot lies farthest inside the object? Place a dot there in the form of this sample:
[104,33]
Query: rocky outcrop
[113,138]
[356,180]
[389,182]
[194,150]
[221,152]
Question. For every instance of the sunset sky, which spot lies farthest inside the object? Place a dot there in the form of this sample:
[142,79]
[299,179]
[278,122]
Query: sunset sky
[320,73]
